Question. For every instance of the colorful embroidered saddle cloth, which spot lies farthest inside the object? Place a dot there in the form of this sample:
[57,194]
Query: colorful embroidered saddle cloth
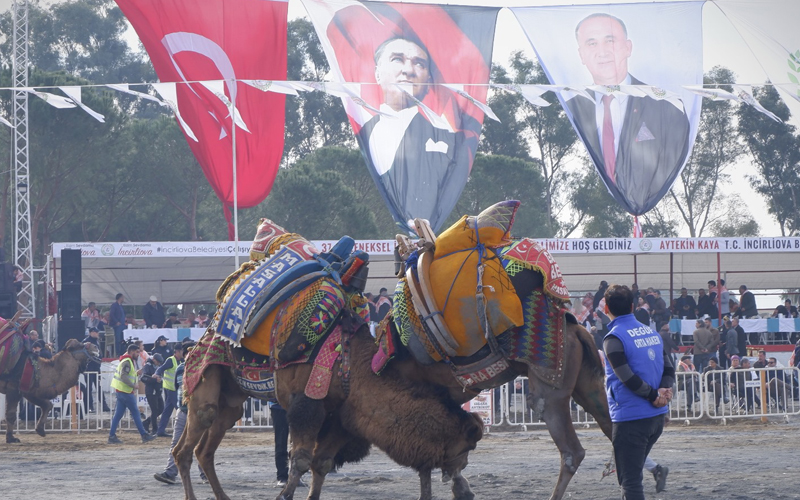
[15,362]
[289,264]
[531,328]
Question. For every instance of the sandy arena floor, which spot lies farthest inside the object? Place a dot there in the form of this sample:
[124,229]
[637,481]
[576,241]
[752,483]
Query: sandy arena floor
[744,460]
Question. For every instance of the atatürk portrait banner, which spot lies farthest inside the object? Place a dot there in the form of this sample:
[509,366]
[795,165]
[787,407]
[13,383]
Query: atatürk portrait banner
[416,122]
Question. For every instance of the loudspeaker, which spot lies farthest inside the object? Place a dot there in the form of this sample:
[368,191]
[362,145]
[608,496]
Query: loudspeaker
[70,301]
[70,267]
[8,304]
[70,329]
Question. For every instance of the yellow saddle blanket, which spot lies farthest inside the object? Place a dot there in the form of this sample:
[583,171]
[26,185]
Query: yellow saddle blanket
[453,274]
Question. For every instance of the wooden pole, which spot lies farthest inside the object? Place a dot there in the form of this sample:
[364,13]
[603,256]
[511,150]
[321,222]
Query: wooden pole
[72,408]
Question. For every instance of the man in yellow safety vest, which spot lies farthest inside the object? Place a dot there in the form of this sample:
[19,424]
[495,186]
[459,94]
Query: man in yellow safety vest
[124,383]
[166,373]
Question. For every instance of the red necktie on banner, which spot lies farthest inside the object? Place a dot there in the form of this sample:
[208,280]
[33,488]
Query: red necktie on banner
[609,153]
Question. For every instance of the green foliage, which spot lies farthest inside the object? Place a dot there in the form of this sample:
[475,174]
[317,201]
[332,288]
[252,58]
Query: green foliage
[315,198]
[698,193]
[775,149]
[602,217]
[496,178]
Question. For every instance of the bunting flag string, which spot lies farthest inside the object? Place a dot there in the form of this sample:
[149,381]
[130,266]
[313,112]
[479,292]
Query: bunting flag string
[74,93]
[169,95]
[531,92]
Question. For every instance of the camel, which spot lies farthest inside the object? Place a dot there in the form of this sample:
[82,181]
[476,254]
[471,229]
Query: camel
[583,381]
[410,422]
[55,376]
[416,424]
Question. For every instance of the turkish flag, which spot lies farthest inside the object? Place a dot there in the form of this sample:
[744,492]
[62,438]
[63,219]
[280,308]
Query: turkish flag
[190,41]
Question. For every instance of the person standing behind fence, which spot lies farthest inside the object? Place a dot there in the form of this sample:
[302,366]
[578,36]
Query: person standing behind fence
[123,383]
[116,319]
[686,382]
[639,377]
[166,374]
[280,425]
[702,345]
[92,369]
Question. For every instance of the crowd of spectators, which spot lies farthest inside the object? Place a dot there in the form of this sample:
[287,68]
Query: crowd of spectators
[710,303]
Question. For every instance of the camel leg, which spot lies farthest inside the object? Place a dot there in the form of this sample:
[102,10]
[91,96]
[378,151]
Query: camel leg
[226,419]
[591,395]
[425,487]
[46,405]
[202,411]
[556,415]
[12,403]
[332,438]
[461,489]
[306,417]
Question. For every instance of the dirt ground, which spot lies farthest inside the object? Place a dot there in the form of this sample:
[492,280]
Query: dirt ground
[743,460]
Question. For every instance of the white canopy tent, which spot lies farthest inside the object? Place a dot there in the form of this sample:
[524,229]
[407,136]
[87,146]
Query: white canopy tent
[191,272]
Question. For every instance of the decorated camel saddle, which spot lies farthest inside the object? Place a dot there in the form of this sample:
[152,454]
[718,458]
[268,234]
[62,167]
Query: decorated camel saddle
[279,308]
[16,361]
[456,302]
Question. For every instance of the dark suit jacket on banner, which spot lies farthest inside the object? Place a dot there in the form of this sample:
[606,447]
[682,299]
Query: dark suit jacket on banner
[421,167]
[653,145]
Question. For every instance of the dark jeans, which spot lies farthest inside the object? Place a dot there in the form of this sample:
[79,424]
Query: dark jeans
[281,426]
[118,338]
[170,404]
[156,404]
[632,443]
[701,361]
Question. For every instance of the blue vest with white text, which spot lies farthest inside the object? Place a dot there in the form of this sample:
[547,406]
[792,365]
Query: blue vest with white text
[645,354]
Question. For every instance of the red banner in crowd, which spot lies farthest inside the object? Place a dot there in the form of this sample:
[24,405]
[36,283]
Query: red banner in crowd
[214,40]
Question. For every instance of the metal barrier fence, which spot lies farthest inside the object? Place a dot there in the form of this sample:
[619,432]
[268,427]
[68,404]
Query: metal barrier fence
[721,394]
[94,405]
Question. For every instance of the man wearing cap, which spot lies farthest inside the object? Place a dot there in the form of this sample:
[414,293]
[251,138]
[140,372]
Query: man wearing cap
[172,321]
[93,368]
[202,319]
[161,347]
[166,374]
[152,391]
[153,313]
[124,383]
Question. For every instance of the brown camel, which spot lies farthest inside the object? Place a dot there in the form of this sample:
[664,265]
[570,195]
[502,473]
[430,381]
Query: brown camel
[54,376]
[416,424]
[410,423]
[583,380]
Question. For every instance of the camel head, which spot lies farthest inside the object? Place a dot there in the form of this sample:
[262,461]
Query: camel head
[83,353]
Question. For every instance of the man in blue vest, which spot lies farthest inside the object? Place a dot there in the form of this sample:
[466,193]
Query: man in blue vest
[639,377]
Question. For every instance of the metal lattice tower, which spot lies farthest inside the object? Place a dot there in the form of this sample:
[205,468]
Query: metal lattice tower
[23,251]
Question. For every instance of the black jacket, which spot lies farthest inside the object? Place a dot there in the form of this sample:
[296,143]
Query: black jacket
[154,315]
[147,379]
[93,366]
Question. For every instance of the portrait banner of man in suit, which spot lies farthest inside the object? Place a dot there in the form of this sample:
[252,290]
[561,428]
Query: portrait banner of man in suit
[416,124]
[636,120]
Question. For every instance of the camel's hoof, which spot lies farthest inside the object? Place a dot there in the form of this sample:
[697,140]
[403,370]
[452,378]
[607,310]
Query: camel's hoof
[40,432]
[12,440]
[466,495]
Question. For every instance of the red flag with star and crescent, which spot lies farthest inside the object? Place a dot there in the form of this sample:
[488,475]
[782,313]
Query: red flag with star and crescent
[220,41]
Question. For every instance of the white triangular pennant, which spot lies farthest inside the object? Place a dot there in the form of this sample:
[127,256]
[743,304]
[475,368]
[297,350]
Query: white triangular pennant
[124,87]
[459,89]
[52,99]
[272,86]
[712,93]
[6,122]
[745,93]
[350,91]
[170,99]
[74,93]
[217,87]
[436,120]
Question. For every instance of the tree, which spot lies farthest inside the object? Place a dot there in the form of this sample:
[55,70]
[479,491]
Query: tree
[698,194]
[313,119]
[317,202]
[496,178]
[543,133]
[775,149]
[599,214]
